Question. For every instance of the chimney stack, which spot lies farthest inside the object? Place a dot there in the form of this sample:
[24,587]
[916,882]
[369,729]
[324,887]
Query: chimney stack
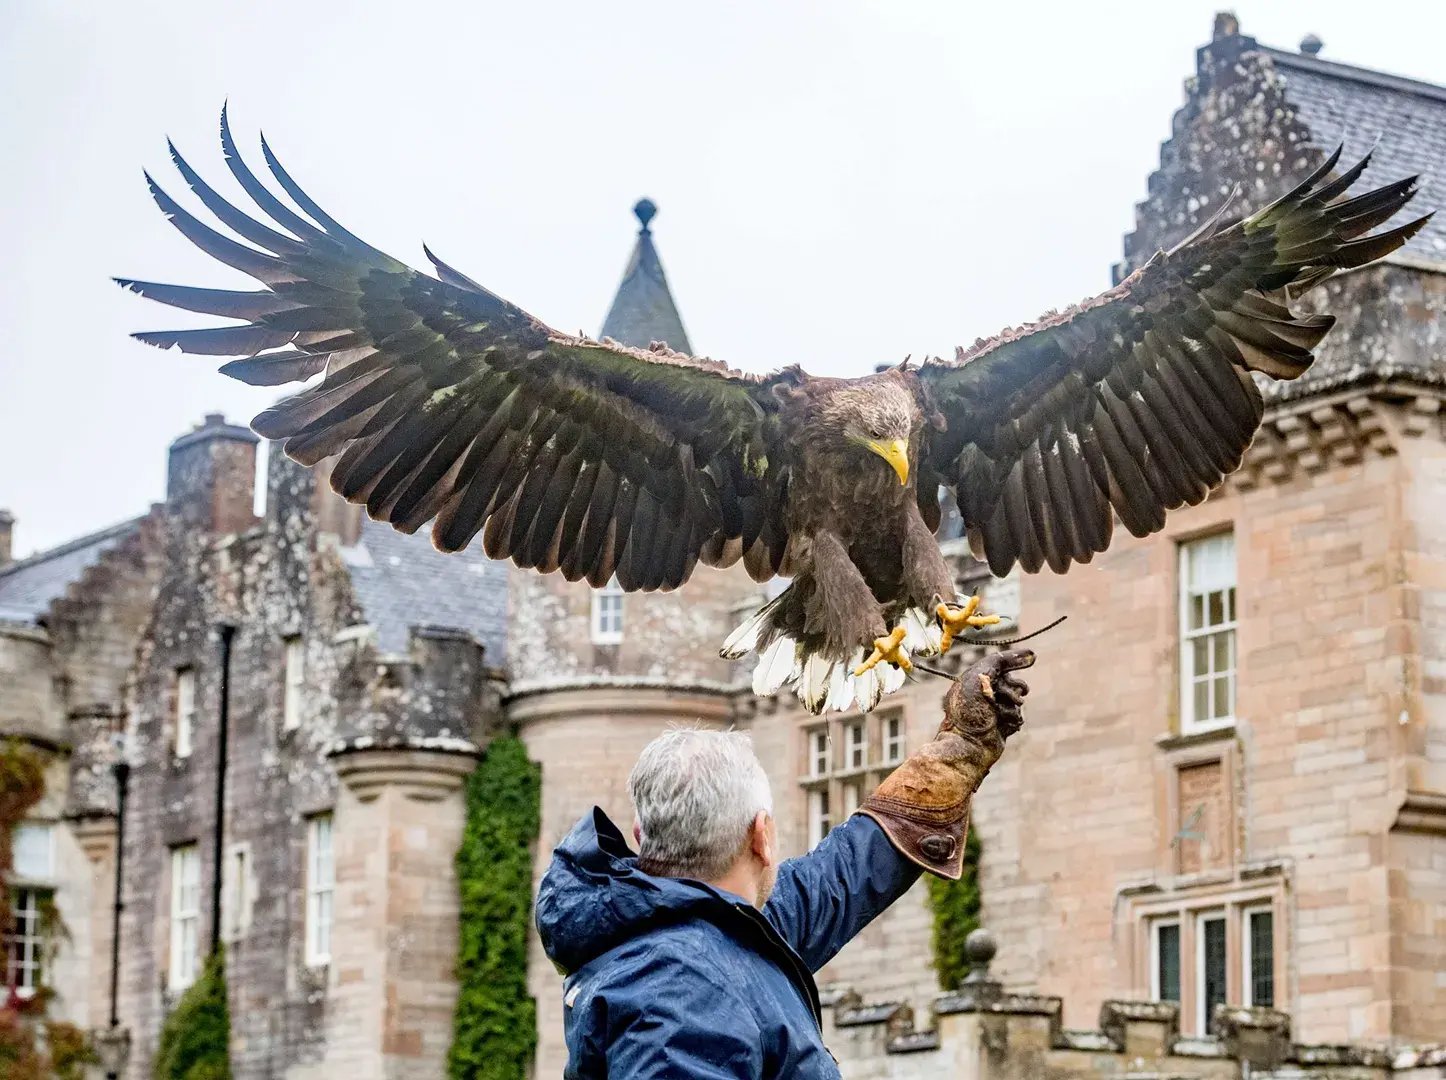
[7,534]
[211,476]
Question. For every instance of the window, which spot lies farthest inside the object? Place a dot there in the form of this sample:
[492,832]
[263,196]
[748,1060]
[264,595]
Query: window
[1258,959]
[185,710]
[856,745]
[838,776]
[1209,968]
[818,752]
[1165,960]
[820,822]
[295,679]
[607,614]
[25,943]
[1209,945]
[185,915]
[33,851]
[320,890]
[893,740]
[236,905]
[1207,632]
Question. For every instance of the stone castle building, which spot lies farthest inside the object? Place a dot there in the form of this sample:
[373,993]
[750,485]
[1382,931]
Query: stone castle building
[1220,838]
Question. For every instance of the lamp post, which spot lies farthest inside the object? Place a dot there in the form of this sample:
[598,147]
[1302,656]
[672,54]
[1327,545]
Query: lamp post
[121,769]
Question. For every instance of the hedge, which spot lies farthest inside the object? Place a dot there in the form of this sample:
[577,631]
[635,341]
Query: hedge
[494,1028]
[955,905]
[196,1038]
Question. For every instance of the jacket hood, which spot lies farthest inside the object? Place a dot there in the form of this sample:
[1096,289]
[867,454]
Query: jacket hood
[593,897]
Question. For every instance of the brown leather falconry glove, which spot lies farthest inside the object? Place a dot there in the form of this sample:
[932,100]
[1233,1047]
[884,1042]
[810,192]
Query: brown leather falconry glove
[923,806]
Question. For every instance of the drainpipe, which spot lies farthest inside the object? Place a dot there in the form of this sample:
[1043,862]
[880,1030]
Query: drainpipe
[223,723]
[121,769]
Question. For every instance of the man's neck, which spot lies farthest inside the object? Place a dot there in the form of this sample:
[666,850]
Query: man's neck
[740,882]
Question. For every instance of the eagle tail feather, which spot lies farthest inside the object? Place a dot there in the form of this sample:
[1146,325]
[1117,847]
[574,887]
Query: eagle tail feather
[823,683]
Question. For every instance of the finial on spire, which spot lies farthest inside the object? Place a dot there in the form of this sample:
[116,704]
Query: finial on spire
[645,209]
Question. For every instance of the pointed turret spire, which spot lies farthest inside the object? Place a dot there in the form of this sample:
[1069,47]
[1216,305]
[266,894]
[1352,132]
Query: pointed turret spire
[643,310]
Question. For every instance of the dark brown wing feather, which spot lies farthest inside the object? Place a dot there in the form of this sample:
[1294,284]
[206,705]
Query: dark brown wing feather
[1142,399]
[444,401]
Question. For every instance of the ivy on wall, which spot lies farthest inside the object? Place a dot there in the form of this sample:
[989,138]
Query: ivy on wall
[955,905]
[31,1047]
[494,1028]
[196,1038]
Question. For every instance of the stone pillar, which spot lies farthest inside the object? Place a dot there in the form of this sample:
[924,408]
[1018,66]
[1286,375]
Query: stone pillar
[96,836]
[1141,1029]
[587,737]
[391,985]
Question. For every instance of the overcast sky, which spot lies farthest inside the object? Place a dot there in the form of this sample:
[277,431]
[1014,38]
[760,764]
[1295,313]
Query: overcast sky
[839,183]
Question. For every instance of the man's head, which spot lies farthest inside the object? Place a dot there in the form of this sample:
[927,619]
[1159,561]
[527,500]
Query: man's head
[703,810]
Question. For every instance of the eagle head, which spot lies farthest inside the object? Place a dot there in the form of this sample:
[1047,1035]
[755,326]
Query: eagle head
[877,414]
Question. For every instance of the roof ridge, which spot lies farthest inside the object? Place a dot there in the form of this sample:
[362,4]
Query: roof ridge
[1384,79]
[71,545]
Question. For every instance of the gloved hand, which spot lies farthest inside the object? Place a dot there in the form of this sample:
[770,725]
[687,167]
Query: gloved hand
[923,806]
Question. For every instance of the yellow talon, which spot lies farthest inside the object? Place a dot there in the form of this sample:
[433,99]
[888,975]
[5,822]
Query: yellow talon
[956,618]
[887,648]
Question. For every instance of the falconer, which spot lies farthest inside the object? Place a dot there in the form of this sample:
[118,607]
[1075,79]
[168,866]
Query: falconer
[695,956]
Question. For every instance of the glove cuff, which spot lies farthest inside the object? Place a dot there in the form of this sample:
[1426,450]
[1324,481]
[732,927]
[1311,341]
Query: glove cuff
[923,805]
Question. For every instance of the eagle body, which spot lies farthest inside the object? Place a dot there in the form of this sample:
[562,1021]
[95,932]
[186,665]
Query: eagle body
[440,404]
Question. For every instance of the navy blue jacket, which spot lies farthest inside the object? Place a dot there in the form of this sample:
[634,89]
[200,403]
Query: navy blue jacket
[667,977]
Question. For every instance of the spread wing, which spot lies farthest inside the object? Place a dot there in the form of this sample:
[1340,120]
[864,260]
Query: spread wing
[446,402]
[1142,399]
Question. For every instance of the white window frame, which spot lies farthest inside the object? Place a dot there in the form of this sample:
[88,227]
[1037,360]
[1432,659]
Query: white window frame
[295,682]
[1202,1017]
[320,888]
[185,916]
[852,793]
[820,815]
[185,712]
[29,873]
[1189,723]
[856,745]
[27,973]
[236,899]
[1156,989]
[1247,974]
[607,614]
[894,739]
[818,752]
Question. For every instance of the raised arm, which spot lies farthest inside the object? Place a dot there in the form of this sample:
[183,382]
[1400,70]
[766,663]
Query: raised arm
[916,818]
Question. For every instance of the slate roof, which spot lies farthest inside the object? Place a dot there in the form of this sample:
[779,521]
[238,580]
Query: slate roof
[402,581]
[1341,101]
[29,586]
[643,310]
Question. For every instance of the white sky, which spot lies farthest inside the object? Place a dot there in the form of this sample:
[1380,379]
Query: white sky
[839,183]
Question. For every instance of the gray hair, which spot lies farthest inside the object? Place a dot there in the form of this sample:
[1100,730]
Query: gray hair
[695,793]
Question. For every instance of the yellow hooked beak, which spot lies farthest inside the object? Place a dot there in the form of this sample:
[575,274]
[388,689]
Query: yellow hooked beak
[896,453]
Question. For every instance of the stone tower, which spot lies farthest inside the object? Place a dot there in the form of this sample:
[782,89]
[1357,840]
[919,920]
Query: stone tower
[596,673]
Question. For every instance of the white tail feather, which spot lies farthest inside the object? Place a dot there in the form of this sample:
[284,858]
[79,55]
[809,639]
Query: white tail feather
[744,638]
[775,667]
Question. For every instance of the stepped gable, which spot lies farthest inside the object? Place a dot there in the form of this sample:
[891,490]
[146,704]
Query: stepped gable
[29,586]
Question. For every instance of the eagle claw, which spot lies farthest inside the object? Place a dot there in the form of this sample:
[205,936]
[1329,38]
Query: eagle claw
[956,618]
[888,649]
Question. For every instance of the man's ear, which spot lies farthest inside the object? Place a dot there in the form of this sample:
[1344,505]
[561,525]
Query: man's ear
[638,833]
[762,840]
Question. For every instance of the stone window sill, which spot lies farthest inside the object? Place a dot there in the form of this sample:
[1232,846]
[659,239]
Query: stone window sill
[1177,741]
